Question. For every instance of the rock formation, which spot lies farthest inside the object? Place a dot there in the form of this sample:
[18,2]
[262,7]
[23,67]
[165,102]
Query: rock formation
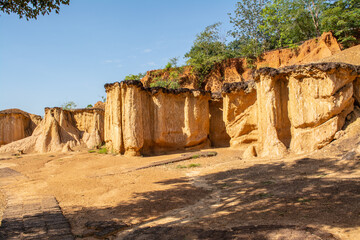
[142,120]
[297,108]
[100,105]
[237,69]
[217,132]
[240,112]
[16,124]
[61,130]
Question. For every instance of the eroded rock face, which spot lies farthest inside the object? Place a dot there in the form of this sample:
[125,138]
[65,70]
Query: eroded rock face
[16,124]
[295,109]
[240,113]
[302,107]
[100,105]
[90,123]
[218,135]
[142,120]
[61,130]
[237,69]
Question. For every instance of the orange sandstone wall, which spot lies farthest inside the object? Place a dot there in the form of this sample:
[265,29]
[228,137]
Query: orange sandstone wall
[16,124]
[142,120]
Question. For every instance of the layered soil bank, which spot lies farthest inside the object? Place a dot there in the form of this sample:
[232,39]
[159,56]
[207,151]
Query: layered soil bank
[142,120]
[16,124]
[295,109]
[237,69]
[62,130]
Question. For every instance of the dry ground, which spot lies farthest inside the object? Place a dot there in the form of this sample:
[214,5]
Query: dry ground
[313,196]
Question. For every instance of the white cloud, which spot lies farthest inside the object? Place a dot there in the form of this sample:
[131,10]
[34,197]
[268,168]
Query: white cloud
[147,50]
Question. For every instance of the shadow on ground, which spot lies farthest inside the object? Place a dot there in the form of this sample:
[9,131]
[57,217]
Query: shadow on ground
[264,201]
[280,197]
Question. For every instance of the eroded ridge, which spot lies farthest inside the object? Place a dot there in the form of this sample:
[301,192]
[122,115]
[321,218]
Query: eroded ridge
[62,130]
[297,108]
[142,120]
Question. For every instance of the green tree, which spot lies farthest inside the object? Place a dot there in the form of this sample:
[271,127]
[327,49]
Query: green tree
[31,8]
[207,50]
[343,18]
[174,61]
[137,77]
[287,22]
[246,19]
[68,105]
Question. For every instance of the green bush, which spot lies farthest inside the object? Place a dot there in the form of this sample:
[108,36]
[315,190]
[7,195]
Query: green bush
[69,105]
[103,150]
[159,83]
[191,165]
[165,84]
[168,66]
[132,77]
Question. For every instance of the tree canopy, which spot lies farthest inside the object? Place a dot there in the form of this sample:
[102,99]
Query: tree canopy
[30,9]
[207,50]
[260,25]
[343,18]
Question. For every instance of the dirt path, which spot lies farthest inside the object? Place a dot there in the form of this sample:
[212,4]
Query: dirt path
[299,197]
[29,217]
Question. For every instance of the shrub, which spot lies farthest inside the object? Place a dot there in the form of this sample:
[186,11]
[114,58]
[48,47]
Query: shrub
[132,77]
[165,84]
[103,150]
[68,105]
[192,165]
[159,83]
[168,66]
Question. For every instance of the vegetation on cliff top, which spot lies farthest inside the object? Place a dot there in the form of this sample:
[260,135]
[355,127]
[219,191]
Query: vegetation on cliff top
[263,25]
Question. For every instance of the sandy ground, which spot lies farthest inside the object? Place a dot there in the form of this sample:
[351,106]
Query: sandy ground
[103,197]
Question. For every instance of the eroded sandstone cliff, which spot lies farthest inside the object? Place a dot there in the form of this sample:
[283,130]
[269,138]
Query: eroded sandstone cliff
[16,124]
[237,69]
[142,120]
[296,108]
[240,113]
[217,132]
[61,130]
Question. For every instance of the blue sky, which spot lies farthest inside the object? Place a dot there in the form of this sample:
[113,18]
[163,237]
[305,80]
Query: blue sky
[70,56]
